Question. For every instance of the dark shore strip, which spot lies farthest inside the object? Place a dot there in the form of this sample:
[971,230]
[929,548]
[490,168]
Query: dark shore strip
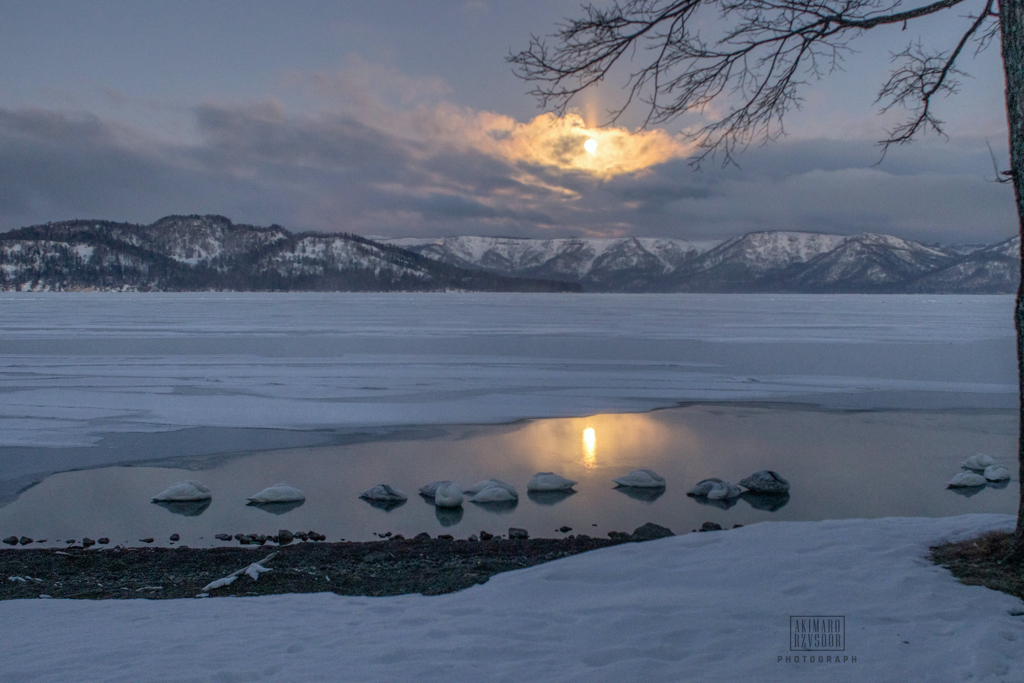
[395,566]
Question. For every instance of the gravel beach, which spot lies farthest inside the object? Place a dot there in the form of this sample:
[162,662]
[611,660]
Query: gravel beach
[427,565]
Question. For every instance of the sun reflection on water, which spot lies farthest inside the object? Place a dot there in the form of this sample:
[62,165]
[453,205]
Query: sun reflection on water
[589,448]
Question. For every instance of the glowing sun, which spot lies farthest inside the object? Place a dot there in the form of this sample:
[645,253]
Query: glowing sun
[590,145]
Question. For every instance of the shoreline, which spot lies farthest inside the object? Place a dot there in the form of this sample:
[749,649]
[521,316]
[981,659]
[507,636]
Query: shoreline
[394,566]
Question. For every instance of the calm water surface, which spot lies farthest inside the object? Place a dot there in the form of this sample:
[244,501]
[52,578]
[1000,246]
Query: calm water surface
[841,464]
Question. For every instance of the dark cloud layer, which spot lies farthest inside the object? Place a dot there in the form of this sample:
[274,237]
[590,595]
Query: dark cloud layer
[259,164]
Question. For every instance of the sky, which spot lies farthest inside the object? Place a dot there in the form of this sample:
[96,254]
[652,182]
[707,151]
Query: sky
[404,119]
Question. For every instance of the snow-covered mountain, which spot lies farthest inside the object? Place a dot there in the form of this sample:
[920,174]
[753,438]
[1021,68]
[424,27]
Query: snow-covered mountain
[606,264]
[187,253]
[755,262]
[180,253]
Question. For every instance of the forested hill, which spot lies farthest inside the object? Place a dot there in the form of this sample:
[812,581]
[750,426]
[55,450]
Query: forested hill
[199,253]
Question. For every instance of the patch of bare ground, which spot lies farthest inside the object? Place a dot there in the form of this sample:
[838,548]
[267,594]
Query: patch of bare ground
[980,562]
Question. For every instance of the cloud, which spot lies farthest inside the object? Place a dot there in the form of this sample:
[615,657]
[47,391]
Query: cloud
[386,154]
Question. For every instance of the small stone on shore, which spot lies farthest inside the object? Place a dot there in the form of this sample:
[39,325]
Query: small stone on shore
[710,526]
[518,534]
[88,542]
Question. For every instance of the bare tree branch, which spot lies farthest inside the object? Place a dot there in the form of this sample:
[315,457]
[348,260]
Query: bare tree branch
[751,55]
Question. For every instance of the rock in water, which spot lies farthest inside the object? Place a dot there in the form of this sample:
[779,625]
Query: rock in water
[11,540]
[430,489]
[723,490]
[549,481]
[765,481]
[284,537]
[494,494]
[183,491]
[996,473]
[448,495]
[710,526]
[978,462]
[384,493]
[649,532]
[645,479]
[703,487]
[279,493]
[965,480]
[490,483]
[520,534]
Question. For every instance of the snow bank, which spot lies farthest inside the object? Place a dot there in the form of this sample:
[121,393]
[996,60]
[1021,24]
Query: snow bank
[707,606]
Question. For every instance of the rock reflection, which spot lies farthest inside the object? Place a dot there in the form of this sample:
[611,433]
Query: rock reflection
[723,503]
[502,507]
[277,508]
[385,505]
[448,516]
[645,495]
[549,497]
[999,484]
[187,508]
[769,502]
[967,491]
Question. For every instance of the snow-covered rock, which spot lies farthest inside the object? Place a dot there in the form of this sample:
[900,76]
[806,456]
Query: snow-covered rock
[494,494]
[966,480]
[996,473]
[978,462]
[279,493]
[183,491]
[703,487]
[549,481]
[448,495]
[765,481]
[642,478]
[384,493]
[491,483]
[724,491]
[430,489]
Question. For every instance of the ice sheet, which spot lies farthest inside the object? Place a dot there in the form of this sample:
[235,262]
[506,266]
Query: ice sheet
[76,366]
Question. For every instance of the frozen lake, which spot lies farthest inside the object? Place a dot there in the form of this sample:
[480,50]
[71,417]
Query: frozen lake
[182,381]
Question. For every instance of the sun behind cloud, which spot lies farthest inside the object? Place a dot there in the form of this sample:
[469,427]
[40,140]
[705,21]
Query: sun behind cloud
[566,143]
[558,143]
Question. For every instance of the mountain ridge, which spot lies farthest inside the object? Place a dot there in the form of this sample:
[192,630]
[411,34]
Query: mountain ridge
[199,253]
[778,261]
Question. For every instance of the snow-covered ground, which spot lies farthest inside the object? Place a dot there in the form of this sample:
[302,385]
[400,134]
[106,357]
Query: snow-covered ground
[76,366]
[701,607]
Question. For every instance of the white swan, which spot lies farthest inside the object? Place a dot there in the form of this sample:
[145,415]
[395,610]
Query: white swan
[978,462]
[430,489]
[448,495]
[183,491]
[996,473]
[385,493]
[549,481]
[494,494]
[279,493]
[643,479]
[491,483]
[966,480]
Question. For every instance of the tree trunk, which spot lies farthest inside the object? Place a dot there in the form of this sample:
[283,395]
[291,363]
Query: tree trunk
[1011,25]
